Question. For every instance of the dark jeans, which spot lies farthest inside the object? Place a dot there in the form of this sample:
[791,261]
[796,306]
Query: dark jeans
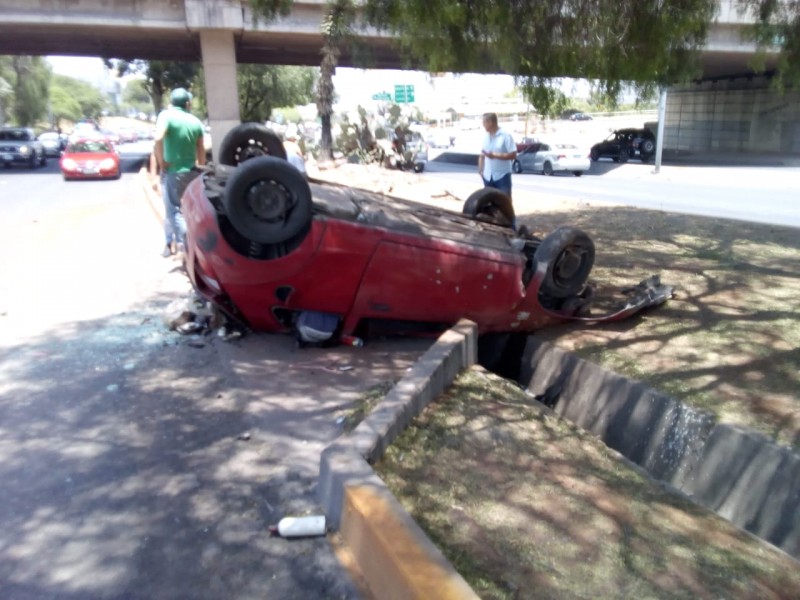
[503,184]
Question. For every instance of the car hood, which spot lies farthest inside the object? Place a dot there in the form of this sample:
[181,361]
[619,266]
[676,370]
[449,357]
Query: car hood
[89,156]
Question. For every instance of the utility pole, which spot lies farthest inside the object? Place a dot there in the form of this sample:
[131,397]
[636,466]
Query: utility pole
[662,114]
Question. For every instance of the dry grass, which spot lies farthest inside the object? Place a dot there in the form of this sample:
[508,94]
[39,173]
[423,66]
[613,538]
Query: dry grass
[527,506]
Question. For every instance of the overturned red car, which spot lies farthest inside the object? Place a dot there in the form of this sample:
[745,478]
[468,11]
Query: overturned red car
[267,245]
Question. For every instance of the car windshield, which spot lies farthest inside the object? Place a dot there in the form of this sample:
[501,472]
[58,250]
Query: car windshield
[15,135]
[89,146]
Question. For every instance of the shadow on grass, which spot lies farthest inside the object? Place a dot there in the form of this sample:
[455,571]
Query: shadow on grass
[728,341]
[528,506]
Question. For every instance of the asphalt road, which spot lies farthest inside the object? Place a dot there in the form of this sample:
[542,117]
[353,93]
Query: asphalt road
[764,194]
[137,463]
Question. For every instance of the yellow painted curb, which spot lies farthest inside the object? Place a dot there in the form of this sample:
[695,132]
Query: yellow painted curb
[396,557]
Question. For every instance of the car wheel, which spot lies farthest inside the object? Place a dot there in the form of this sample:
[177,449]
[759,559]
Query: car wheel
[577,173]
[568,254]
[516,167]
[249,140]
[623,156]
[419,167]
[492,203]
[547,169]
[648,147]
[267,200]
[594,154]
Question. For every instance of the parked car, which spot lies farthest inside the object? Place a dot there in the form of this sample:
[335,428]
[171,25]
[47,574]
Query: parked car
[269,247]
[90,158]
[19,145]
[624,144]
[127,135]
[526,143]
[580,116]
[550,158]
[111,135]
[53,143]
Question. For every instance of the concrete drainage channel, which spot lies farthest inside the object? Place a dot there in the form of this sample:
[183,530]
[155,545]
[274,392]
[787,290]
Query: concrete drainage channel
[741,475]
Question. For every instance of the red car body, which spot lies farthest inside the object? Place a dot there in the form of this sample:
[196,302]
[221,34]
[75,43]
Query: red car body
[90,158]
[368,259]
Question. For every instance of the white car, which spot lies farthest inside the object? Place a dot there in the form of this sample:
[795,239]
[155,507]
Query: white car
[548,158]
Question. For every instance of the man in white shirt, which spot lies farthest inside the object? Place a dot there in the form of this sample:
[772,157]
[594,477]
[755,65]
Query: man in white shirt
[497,155]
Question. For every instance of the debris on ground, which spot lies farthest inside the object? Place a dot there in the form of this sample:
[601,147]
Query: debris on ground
[290,527]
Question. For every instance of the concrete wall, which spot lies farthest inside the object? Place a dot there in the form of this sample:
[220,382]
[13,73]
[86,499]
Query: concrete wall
[732,115]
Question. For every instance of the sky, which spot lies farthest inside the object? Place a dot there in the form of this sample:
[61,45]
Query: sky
[353,86]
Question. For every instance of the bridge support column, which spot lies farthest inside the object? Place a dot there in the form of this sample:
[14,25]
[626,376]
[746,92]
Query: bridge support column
[219,66]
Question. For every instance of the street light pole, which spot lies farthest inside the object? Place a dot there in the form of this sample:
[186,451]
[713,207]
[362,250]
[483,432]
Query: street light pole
[662,113]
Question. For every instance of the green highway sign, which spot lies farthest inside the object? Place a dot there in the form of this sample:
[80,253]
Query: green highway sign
[384,96]
[403,93]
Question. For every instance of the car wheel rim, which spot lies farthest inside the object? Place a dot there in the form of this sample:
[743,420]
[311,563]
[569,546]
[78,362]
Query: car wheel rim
[568,265]
[269,201]
[252,149]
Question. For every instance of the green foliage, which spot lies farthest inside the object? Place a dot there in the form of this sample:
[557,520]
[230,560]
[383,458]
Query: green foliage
[161,76]
[29,77]
[777,34]
[263,87]
[268,10]
[137,97]
[639,44]
[72,99]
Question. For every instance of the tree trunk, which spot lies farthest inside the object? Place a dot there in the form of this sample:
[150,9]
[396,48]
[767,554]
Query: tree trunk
[326,141]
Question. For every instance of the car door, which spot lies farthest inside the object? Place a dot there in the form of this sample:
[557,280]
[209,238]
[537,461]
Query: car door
[527,157]
[541,155]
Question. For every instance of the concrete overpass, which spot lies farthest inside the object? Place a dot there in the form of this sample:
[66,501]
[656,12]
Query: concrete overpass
[221,33]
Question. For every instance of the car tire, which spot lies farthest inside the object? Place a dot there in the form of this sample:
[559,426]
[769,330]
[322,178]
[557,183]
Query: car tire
[547,168]
[623,156]
[648,147]
[568,254]
[491,202]
[419,168]
[577,173]
[594,155]
[516,167]
[247,141]
[267,200]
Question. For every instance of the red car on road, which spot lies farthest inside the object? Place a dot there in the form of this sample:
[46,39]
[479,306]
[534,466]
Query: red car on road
[90,158]
[267,245]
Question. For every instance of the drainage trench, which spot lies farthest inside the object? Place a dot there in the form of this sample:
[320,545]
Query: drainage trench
[738,473]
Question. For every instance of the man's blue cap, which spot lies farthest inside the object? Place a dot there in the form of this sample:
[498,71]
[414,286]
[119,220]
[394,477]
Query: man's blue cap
[180,97]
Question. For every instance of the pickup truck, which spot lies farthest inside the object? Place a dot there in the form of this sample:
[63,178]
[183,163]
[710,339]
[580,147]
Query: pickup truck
[19,145]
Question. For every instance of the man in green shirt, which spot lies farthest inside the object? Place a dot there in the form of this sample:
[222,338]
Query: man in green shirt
[178,147]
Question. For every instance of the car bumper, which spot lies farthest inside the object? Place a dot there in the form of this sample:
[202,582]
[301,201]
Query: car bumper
[90,173]
[15,157]
[573,164]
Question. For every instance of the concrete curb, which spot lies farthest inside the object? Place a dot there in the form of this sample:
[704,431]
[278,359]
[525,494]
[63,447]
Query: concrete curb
[394,554]
[741,475]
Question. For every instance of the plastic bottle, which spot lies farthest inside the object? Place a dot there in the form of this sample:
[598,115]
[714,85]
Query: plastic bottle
[301,526]
[351,340]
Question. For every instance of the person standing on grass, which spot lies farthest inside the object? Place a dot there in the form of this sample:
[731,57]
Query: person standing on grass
[178,148]
[497,156]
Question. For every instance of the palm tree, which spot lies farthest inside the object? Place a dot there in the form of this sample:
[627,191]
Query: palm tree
[335,27]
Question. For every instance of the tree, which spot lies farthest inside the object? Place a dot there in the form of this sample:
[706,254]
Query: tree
[335,29]
[640,44]
[30,80]
[263,87]
[160,76]
[137,97]
[776,31]
[72,99]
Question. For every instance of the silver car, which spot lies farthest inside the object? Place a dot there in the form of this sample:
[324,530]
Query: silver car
[549,158]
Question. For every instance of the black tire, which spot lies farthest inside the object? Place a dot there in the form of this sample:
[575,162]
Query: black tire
[267,200]
[623,156]
[516,167]
[577,173]
[547,168]
[247,141]
[419,167]
[648,147]
[492,203]
[569,255]
[594,154]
